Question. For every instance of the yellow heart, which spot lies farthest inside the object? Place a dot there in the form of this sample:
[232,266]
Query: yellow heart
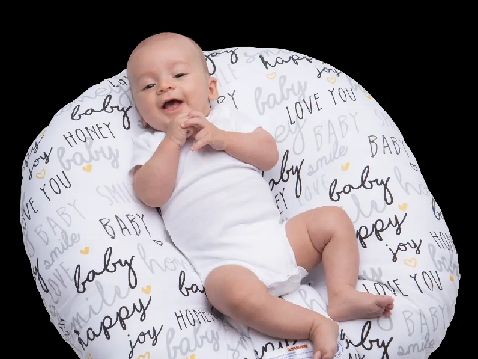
[331,79]
[146,355]
[411,262]
[403,206]
[192,356]
[345,167]
[41,174]
[368,96]
[146,290]
[451,278]
[271,76]
[85,251]
[87,168]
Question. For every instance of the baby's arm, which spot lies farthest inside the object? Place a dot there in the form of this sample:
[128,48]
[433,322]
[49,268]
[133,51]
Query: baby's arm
[257,148]
[154,182]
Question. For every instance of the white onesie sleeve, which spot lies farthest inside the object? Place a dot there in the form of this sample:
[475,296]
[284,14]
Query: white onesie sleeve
[244,123]
[144,147]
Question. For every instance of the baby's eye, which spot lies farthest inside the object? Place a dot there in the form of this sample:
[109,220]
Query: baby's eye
[148,86]
[179,75]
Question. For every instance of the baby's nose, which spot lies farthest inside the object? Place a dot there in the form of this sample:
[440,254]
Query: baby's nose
[165,85]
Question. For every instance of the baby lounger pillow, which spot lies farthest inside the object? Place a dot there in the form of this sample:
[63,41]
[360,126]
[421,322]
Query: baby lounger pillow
[114,284]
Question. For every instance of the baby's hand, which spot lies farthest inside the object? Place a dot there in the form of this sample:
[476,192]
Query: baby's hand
[205,132]
[176,132]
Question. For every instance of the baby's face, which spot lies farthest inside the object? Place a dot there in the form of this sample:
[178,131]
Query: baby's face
[168,79]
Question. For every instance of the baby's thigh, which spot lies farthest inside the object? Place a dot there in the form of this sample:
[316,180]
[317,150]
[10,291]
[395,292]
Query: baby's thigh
[309,232]
[231,287]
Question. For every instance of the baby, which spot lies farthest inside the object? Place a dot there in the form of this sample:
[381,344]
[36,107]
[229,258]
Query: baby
[203,166]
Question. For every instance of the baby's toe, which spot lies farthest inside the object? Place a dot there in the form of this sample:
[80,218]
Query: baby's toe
[329,354]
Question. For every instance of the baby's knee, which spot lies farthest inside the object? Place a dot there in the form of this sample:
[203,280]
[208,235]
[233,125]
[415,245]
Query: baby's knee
[336,215]
[330,214]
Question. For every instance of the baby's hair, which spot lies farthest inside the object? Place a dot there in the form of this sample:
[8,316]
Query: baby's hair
[201,54]
[198,48]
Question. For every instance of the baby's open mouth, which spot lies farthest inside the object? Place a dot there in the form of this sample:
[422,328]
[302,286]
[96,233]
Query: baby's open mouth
[172,105]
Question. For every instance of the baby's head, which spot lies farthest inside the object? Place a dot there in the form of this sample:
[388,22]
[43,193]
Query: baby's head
[168,77]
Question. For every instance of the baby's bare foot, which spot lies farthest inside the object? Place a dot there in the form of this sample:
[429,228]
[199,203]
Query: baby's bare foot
[324,335]
[348,304]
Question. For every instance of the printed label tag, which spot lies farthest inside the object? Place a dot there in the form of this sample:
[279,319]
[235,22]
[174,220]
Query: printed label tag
[301,351]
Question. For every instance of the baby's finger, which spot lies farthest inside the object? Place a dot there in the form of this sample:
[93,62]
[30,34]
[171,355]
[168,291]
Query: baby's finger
[195,121]
[329,354]
[199,144]
[196,114]
[180,119]
[185,124]
[201,134]
[194,131]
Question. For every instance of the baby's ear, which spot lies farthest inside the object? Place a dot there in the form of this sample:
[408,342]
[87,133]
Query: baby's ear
[213,93]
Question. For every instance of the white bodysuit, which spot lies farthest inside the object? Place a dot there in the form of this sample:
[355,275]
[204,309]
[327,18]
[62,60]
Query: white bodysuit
[222,211]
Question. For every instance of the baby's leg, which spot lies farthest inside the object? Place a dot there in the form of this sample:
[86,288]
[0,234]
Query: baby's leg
[327,235]
[238,293]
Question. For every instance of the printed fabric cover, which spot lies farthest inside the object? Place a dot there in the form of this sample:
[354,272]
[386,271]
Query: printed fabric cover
[116,287]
